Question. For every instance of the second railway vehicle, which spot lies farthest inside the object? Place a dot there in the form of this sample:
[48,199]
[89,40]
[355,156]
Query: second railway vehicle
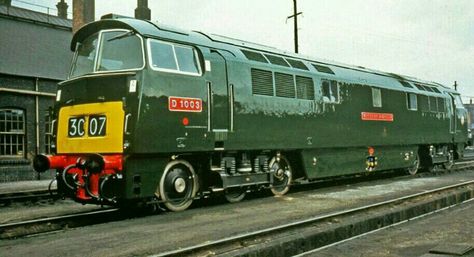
[151,113]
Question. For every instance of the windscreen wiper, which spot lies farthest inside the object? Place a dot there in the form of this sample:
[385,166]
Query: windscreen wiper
[126,34]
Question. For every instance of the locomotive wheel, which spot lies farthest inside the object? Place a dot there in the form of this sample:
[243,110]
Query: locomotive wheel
[415,166]
[449,164]
[178,185]
[234,195]
[282,175]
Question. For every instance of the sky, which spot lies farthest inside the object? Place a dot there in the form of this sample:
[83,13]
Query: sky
[428,39]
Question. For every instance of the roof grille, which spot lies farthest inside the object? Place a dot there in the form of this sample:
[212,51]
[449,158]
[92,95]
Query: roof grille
[285,85]
[297,64]
[427,88]
[322,68]
[277,60]
[254,56]
[405,84]
[420,87]
[262,82]
[304,88]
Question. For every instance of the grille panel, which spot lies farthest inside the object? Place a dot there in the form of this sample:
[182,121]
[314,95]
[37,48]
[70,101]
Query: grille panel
[262,82]
[285,85]
[304,88]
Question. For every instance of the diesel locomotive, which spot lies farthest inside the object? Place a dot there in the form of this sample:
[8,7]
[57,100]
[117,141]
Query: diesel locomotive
[155,114]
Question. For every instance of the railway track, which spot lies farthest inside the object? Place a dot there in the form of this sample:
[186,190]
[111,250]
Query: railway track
[248,243]
[28,196]
[36,226]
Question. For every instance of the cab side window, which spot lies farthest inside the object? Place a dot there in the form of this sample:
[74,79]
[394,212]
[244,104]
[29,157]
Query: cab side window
[376,97]
[412,102]
[171,57]
[330,91]
[163,56]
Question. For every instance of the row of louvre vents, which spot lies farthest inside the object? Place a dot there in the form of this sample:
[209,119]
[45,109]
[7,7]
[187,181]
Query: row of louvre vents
[262,80]
[285,62]
[432,104]
[279,84]
[420,87]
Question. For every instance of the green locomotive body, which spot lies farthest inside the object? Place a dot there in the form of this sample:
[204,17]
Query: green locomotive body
[152,113]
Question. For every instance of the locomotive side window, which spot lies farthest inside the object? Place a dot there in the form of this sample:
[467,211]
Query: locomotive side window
[163,56]
[330,91]
[412,102]
[173,58]
[376,97]
[186,60]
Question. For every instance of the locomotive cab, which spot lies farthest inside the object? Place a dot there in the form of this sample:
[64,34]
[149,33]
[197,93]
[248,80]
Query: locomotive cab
[93,114]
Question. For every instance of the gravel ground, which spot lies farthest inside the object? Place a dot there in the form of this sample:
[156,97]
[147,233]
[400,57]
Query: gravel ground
[169,231]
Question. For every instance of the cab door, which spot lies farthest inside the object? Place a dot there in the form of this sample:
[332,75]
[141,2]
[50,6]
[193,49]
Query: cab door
[219,96]
[460,119]
[452,115]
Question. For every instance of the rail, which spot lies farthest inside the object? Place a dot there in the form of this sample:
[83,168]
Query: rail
[36,226]
[28,196]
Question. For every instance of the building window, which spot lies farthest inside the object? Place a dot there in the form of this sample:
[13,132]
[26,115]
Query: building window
[12,133]
[412,102]
[330,91]
[376,97]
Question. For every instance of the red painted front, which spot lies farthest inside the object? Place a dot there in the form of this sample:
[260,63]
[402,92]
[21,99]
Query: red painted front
[87,183]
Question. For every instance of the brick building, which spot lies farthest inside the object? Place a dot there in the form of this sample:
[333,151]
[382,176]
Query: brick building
[34,57]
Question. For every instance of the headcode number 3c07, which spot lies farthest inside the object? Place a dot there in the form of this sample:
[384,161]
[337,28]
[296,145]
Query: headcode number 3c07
[96,126]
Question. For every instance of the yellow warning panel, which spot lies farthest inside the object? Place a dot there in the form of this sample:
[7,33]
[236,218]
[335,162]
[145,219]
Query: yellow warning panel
[91,128]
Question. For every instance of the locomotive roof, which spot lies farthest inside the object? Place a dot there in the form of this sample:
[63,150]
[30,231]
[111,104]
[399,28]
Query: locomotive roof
[154,30]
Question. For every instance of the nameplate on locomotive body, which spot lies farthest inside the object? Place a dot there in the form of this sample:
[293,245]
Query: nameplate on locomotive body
[376,116]
[184,104]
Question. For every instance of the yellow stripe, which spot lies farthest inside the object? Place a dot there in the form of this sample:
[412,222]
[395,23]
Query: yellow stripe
[112,142]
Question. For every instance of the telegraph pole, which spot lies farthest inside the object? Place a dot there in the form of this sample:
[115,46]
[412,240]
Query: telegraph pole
[295,16]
